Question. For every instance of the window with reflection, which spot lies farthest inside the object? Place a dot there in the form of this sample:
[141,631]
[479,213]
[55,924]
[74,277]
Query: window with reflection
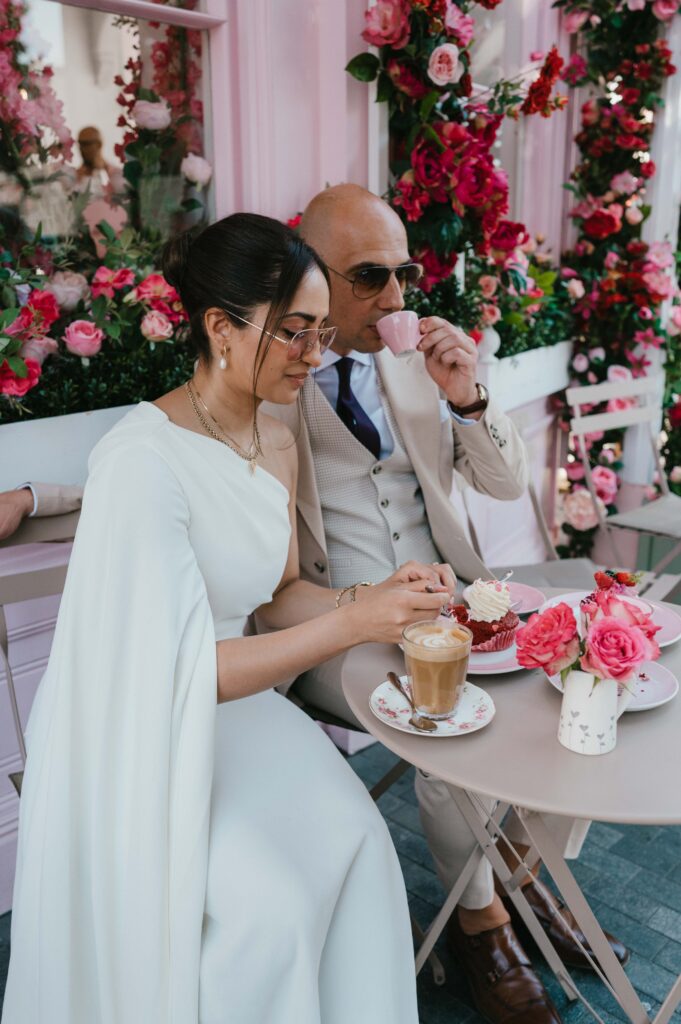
[102,158]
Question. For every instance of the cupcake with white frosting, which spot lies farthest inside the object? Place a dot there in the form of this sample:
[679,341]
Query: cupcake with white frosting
[489,615]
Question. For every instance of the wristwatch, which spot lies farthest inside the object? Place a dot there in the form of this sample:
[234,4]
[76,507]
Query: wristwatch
[482,403]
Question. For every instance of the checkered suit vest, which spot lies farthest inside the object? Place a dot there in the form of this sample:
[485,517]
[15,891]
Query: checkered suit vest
[373,510]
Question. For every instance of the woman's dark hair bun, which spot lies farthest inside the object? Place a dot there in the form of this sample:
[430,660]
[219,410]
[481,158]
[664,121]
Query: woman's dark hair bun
[175,256]
[240,262]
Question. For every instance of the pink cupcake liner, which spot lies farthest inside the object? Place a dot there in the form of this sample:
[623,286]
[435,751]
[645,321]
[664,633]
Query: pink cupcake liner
[499,642]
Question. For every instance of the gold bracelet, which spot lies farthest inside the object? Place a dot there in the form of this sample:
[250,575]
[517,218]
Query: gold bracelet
[352,589]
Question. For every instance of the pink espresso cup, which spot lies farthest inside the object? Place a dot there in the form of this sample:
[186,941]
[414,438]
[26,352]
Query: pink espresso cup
[400,332]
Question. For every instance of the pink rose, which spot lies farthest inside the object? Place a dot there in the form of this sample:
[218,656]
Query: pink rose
[574,471]
[444,66]
[68,288]
[606,604]
[489,314]
[83,338]
[575,290]
[674,324]
[624,183]
[645,313]
[665,10]
[658,284]
[152,116]
[459,25]
[15,386]
[102,283]
[633,215]
[605,482]
[549,640]
[387,24]
[580,363]
[573,21]
[196,169]
[597,353]
[156,326]
[38,348]
[675,475]
[636,5]
[615,650]
[620,404]
[488,285]
[579,511]
[617,372]
[660,254]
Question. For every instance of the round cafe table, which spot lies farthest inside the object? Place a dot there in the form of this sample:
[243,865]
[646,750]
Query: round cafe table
[518,761]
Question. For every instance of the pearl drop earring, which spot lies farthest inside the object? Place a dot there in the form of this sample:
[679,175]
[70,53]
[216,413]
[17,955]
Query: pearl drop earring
[223,358]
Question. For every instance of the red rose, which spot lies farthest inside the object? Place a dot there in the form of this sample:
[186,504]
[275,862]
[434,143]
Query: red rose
[508,236]
[674,415]
[406,80]
[630,96]
[549,640]
[601,223]
[630,142]
[45,308]
[22,324]
[411,197]
[11,384]
[435,268]
[473,183]
[294,222]
[430,170]
[489,4]
[643,70]
[647,169]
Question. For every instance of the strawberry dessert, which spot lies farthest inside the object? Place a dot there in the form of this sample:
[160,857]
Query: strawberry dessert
[489,615]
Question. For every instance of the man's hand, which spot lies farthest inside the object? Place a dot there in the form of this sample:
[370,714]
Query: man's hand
[14,506]
[451,359]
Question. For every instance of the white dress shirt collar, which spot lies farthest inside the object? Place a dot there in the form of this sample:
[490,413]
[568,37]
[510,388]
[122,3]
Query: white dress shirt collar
[329,358]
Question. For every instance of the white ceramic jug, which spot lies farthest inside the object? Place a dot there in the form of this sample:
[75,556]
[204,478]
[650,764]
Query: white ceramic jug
[589,713]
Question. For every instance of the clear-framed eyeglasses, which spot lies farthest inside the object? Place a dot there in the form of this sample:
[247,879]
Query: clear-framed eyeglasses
[300,342]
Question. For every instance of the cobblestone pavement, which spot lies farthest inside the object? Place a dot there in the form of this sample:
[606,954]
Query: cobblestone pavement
[631,876]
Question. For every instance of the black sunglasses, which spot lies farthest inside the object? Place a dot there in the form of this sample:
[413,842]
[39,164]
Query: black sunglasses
[370,281]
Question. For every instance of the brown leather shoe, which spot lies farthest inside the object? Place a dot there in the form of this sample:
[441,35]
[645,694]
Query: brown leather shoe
[505,989]
[544,907]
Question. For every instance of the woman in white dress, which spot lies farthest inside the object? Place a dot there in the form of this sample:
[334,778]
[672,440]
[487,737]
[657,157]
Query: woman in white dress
[192,848]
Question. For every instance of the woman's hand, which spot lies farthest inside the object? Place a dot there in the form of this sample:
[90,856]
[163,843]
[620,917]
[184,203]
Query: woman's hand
[385,611]
[438,576]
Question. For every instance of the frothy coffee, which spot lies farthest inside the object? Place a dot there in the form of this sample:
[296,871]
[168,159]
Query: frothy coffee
[437,660]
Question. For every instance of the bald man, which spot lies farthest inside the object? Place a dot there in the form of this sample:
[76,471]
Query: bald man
[378,443]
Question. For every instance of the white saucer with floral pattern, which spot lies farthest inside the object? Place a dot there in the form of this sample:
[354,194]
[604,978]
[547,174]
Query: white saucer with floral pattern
[475,711]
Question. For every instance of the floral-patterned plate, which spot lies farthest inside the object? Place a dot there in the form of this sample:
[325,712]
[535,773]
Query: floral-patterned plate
[654,685]
[475,711]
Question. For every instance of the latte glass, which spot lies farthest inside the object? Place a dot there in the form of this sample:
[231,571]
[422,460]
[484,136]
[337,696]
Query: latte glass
[436,655]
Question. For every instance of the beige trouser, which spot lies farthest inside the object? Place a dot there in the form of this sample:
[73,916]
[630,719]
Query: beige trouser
[450,839]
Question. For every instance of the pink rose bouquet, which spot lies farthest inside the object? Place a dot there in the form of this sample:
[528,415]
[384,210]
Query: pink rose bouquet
[549,641]
[615,650]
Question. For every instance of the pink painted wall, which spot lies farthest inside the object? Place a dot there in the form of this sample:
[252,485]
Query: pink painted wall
[286,118]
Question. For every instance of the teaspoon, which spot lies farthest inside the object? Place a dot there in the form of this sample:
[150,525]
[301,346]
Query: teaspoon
[417,720]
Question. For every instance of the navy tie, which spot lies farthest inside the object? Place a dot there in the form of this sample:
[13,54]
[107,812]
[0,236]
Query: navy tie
[351,412]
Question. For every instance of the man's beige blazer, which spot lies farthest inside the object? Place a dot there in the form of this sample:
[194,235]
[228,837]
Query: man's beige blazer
[489,454]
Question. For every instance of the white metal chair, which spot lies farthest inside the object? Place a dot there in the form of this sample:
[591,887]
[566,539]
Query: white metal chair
[27,586]
[658,518]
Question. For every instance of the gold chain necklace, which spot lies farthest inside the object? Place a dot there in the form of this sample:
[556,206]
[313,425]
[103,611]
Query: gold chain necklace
[256,445]
[250,457]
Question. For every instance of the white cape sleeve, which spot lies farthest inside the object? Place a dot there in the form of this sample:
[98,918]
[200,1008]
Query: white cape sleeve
[113,840]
